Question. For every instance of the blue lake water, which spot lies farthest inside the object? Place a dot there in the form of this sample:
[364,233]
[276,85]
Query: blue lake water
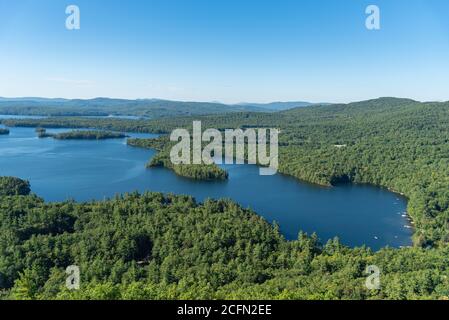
[85,170]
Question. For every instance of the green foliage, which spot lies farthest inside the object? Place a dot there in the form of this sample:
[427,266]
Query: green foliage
[162,159]
[82,135]
[10,186]
[104,107]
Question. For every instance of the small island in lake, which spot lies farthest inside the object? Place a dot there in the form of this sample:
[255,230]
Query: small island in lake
[4,131]
[42,133]
[81,135]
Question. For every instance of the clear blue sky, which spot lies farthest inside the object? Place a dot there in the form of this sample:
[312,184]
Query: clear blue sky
[225,50]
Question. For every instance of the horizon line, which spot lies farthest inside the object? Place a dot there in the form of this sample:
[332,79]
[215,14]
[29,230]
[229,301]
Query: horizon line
[215,101]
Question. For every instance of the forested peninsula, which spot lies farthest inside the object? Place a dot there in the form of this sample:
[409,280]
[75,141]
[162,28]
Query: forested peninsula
[81,135]
[162,159]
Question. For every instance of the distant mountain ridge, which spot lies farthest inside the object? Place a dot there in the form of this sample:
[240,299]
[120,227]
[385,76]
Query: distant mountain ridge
[151,108]
[372,106]
[140,107]
[159,108]
[280,106]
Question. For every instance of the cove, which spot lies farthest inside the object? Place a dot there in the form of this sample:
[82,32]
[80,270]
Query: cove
[86,170]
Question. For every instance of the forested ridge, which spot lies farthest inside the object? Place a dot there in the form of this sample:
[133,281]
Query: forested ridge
[219,250]
[103,107]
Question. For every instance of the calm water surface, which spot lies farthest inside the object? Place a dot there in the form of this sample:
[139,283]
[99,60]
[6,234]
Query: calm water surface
[86,170]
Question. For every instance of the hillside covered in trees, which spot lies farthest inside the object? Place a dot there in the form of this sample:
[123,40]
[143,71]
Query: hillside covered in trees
[104,107]
[155,246]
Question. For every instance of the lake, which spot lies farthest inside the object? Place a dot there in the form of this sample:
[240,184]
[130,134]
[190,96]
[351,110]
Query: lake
[85,170]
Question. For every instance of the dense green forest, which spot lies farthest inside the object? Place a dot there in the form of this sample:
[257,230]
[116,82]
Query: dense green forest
[155,246]
[162,159]
[219,250]
[81,135]
[11,186]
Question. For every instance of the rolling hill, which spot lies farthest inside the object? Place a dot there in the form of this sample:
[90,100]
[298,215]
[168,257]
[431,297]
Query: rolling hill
[144,108]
